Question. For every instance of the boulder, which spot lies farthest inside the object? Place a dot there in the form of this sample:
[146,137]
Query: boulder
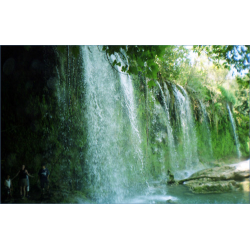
[219,179]
[169,201]
[220,173]
[209,186]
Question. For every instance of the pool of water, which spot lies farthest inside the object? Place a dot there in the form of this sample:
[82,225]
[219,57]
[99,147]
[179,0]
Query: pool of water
[159,193]
[162,194]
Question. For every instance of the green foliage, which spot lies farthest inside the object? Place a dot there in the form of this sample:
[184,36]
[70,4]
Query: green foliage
[75,50]
[223,142]
[151,83]
[203,142]
[171,65]
[243,81]
[212,86]
[61,48]
[233,55]
[137,58]
[228,96]
[49,124]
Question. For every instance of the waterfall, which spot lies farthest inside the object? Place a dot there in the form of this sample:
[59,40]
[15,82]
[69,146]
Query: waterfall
[114,158]
[234,131]
[187,138]
[167,98]
[208,136]
[173,155]
[128,91]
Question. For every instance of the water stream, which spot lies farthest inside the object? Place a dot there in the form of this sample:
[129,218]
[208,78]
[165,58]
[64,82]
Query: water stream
[114,157]
[171,144]
[208,134]
[160,193]
[234,131]
[187,137]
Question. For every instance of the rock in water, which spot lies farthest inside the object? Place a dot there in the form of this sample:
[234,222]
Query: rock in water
[201,186]
[169,201]
[219,179]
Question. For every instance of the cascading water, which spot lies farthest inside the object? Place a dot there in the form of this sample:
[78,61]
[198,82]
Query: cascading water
[208,134]
[116,164]
[171,145]
[160,158]
[167,95]
[114,159]
[234,131]
[127,87]
[188,142]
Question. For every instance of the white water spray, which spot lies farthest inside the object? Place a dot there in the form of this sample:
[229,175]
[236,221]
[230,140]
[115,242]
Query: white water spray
[234,131]
[205,118]
[173,154]
[186,122]
[114,158]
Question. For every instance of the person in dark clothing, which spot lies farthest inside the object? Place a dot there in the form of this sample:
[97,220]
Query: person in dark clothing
[28,186]
[44,178]
[23,180]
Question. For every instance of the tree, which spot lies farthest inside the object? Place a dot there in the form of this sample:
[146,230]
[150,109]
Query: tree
[237,56]
[172,64]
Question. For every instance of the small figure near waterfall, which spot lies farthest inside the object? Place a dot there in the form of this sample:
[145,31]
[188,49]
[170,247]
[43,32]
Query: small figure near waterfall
[8,187]
[23,173]
[44,178]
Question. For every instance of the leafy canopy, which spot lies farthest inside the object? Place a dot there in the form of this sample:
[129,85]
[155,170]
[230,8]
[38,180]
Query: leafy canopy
[137,58]
[233,55]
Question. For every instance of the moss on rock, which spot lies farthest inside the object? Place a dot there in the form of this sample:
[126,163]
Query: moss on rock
[208,186]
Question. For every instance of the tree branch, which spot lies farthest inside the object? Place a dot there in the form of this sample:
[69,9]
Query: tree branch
[113,66]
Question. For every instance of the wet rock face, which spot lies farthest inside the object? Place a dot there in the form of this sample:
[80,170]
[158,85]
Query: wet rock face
[208,186]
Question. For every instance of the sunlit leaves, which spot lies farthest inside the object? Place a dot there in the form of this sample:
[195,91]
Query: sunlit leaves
[233,55]
[172,62]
